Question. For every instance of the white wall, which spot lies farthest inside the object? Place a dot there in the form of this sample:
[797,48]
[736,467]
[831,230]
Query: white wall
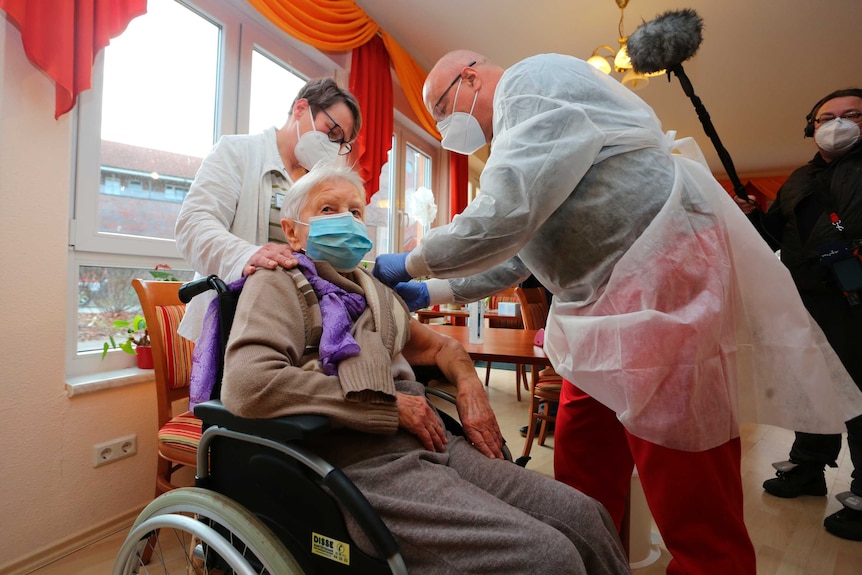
[49,490]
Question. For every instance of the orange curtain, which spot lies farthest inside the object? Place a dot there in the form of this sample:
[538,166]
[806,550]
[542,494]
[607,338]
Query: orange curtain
[341,25]
[371,83]
[459,172]
[411,78]
[63,37]
[335,25]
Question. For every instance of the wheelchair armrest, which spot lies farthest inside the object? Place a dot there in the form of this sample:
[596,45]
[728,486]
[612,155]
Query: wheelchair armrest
[282,429]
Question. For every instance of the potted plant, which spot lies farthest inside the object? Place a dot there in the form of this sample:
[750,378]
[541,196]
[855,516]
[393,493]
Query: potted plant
[164,273]
[137,341]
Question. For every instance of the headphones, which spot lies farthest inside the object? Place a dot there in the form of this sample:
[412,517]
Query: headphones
[809,119]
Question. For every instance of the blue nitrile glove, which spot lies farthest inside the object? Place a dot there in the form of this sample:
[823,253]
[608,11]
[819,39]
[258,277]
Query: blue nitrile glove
[391,269]
[414,294]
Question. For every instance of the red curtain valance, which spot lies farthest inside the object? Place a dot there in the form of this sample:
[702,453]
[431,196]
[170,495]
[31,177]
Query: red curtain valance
[63,37]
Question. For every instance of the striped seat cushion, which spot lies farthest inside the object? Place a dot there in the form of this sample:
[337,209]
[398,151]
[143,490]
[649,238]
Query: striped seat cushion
[549,385]
[182,432]
[178,350]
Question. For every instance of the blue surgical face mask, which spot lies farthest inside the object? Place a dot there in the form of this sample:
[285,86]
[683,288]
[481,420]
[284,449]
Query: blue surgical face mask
[339,239]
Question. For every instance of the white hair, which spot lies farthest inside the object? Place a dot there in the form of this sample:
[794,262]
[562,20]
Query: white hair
[322,172]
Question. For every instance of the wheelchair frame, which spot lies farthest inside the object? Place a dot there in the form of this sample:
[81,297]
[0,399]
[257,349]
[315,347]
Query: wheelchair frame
[228,534]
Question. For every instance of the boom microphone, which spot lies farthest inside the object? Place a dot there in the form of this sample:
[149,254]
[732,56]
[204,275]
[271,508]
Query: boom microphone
[661,44]
[664,44]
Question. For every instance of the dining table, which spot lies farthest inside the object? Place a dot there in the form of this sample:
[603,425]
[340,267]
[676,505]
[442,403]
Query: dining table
[457,315]
[498,344]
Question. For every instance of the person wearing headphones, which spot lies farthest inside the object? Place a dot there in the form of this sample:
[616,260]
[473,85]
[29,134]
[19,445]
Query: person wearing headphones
[816,221]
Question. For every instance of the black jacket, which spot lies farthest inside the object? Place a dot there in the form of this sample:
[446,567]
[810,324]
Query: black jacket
[799,220]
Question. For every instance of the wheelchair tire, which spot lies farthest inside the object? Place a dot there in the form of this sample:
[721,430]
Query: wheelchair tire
[197,531]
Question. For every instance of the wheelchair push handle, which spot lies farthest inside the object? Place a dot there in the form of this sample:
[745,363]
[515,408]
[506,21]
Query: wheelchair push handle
[195,287]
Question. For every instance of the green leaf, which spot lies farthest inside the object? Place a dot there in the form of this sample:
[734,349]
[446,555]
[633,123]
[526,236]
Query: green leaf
[163,276]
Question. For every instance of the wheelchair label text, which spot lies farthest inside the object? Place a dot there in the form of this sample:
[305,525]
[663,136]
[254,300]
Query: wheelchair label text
[330,548]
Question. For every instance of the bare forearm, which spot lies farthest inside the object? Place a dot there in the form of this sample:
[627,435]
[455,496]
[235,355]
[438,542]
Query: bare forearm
[430,348]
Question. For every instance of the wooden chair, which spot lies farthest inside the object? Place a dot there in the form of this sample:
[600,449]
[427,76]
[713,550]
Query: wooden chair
[514,322]
[545,385]
[180,434]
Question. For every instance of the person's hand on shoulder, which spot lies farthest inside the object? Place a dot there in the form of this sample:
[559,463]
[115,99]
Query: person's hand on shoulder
[270,256]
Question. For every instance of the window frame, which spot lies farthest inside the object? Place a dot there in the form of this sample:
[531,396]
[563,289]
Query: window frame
[405,133]
[242,29]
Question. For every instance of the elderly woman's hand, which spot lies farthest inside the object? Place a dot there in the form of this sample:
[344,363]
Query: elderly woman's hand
[479,422]
[417,417]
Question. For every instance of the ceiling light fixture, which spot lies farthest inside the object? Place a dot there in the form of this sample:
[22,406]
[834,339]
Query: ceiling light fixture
[620,58]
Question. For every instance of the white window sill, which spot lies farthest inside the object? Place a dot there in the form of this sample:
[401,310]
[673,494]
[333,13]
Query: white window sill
[107,380]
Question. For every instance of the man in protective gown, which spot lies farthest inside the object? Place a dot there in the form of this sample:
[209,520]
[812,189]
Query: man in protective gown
[671,322]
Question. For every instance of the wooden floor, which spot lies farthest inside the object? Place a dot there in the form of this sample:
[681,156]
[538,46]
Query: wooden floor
[788,534]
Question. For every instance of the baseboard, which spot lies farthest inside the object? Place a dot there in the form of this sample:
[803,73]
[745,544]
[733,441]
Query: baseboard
[69,545]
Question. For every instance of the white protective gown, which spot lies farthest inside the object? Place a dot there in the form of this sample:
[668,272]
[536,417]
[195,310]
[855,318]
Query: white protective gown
[668,307]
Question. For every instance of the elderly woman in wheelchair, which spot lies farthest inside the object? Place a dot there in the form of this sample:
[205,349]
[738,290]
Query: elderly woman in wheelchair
[328,339]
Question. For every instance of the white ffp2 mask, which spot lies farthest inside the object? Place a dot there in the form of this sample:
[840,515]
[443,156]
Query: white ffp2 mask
[461,131]
[314,146]
[838,135]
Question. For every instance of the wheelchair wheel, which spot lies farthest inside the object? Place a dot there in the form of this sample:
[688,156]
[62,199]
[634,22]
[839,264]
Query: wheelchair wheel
[199,532]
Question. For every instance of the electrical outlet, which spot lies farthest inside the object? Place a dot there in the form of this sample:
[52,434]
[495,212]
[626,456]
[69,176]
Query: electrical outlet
[111,451]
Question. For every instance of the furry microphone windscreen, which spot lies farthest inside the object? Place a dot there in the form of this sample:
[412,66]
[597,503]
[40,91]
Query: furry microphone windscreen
[666,41]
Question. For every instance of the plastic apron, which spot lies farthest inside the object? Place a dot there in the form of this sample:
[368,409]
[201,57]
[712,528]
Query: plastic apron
[700,327]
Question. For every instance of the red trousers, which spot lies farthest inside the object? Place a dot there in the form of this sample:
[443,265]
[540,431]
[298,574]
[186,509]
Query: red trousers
[695,497]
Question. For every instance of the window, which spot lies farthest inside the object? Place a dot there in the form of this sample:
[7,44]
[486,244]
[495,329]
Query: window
[273,89]
[411,166]
[419,212]
[157,120]
[180,76]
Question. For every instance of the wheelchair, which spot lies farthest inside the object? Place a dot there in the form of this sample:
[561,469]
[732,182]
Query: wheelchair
[262,502]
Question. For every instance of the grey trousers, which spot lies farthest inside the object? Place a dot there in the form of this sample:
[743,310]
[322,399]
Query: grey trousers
[459,512]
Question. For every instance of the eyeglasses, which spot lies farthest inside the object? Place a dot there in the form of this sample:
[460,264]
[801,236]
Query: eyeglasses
[336,135]
[852,115]
[446,91]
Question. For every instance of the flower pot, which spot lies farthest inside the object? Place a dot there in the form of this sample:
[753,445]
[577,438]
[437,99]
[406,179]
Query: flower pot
[145,356]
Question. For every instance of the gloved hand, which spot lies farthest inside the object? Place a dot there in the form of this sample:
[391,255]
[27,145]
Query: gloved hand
[414,294]
[391,269]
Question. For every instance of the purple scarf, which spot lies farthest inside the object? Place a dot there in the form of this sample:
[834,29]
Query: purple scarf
[339,309]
